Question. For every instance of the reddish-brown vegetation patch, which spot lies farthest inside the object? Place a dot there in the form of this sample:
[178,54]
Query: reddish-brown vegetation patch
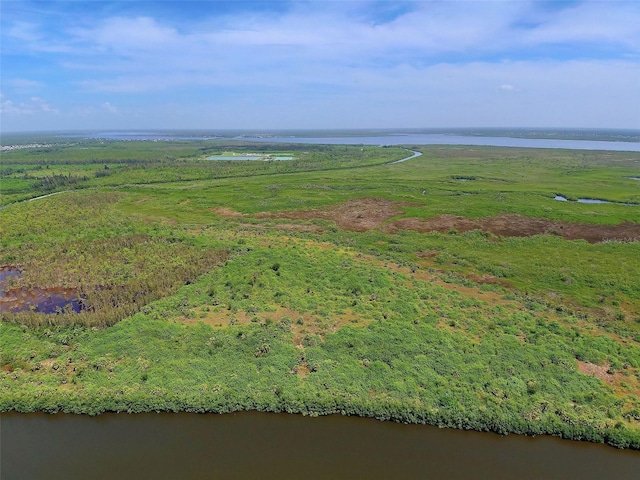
[373,213]
[488,280]
[514,225]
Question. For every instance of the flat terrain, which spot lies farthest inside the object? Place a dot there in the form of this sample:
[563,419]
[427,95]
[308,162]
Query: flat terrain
[451,289]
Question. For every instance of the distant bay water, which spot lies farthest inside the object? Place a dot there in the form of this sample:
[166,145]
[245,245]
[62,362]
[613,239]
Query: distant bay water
[444,139]
[380,138]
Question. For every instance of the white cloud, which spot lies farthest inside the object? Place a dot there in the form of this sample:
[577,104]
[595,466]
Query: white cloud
[32,106]
[507,88]
[128,35]
[8,107]
[438,63]
[592,22]
[42,105]
[144,54]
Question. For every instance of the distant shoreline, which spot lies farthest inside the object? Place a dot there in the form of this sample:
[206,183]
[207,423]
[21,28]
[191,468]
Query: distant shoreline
[598,140]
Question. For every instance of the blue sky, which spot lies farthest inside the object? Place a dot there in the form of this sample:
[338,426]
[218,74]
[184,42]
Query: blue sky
[318,64]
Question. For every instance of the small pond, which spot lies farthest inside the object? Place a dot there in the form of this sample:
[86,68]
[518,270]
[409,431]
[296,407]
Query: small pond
[264,158]
[235,157]
[43,300]
[561,198]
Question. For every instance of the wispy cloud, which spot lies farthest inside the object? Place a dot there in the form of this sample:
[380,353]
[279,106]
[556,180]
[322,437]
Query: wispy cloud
[608,22]
[107,107]
[24,84]
[33,106]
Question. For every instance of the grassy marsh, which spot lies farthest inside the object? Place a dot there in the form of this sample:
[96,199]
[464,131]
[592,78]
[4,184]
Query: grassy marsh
[232,285]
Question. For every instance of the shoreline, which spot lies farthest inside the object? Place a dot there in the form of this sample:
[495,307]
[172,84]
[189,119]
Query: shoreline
[613,437]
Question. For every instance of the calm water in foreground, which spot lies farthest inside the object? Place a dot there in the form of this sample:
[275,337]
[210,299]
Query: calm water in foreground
[281,446]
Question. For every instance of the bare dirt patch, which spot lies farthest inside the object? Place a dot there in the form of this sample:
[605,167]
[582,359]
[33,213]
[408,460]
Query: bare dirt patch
[493,298]
[226,212]
[597,371]
[301,323]
[623,382]
[374,213]
[358,215]
[301,370]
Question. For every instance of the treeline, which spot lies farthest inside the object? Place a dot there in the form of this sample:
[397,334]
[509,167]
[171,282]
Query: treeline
[51,182]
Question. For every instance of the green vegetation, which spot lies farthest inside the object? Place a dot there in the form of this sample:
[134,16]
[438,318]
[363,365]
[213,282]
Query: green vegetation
[220,286]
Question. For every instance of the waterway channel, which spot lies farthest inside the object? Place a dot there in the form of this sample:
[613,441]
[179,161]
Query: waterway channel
[283,446]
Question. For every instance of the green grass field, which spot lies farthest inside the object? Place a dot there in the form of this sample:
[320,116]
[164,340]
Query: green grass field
[295,286]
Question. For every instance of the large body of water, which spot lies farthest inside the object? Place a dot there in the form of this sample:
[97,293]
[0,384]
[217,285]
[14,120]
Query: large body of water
[444,139]
[282,446]
[380,139]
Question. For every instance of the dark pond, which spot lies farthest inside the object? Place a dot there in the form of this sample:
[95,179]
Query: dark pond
[8,272]
[44,300]
[281,446]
